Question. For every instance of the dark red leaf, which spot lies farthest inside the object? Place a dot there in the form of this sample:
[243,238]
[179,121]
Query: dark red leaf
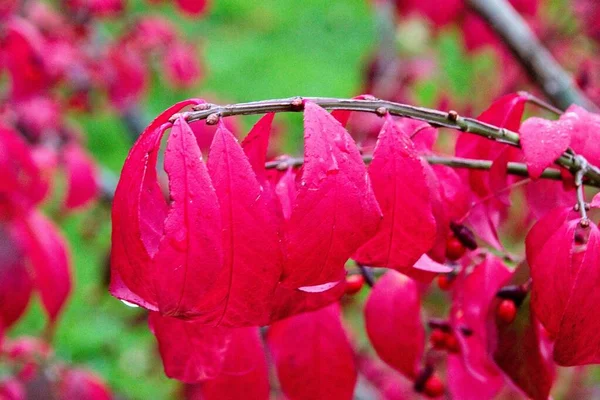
[335,210]
[190,351]
[16,284]
[193,7]
[313,356]
[408,228]
[393,322]
[190,253]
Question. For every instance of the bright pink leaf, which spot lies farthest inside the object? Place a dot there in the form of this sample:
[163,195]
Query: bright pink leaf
[82,177]
[190,351]
[190,253]
[244,289]
[463,385]
[245,371]
[138,212]
[408,228]
[564,273]
[393,322]
[12,389]
[335,210]
[543,142]
[585,132]
[313,356]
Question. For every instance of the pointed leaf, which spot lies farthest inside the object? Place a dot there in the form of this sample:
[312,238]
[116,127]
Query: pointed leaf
[244,289]
[335,210]
[313,356]
[190,351]
[393,322]
[256,144]
[190,254]
[139,210]
[408,228]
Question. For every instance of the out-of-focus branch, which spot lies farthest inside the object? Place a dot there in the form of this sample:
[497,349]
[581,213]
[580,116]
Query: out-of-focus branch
[540,65]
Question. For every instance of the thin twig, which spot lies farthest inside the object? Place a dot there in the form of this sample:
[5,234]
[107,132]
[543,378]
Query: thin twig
[540,65]
[433,117]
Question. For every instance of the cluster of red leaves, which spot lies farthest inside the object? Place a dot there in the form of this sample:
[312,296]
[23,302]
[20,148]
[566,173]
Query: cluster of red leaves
[33,255]
[35,374]
[235,247]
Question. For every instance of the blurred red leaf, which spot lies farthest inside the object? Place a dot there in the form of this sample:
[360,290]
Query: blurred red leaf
[82,177]
[78,384]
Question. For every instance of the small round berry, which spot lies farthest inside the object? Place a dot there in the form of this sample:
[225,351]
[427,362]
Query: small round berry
[445,281]
[452,344]
[507,311]
[434,387]
[454,248]
[354,283]
[438,339]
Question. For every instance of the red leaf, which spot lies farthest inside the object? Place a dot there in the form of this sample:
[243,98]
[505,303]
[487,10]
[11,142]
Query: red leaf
[244,375]
[313,356]
[255,145]
[190,351]
[522,355]
[335,210]
[138,212]
[190,253]
[408,228]
[393,322]
[244,288]
[564,298]
[544,195]
[82,178]
[289,302]
[49,256]
[585,132]
[77,384]
[463,385]
[12,389]
[181,64]
[286,192]
[543,142]
[15,285]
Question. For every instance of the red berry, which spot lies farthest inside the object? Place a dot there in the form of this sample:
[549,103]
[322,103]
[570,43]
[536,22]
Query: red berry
[445,282]
[452,343]
[507,311]
[454,248]
[434,387]
[354,283]
[438,339]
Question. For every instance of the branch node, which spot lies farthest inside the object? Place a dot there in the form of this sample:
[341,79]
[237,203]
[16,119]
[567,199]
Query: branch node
[202,107]
[381,111]
[584,222]
[213,119]
[452,116]
[297,104]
